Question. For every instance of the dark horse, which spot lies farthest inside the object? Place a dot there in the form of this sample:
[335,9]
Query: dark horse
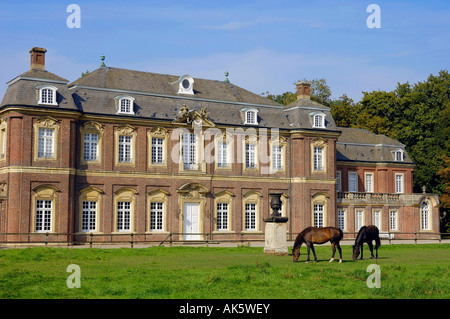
[314,235]
[366,235]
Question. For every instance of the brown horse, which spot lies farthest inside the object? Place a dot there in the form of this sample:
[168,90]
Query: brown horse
[314,235]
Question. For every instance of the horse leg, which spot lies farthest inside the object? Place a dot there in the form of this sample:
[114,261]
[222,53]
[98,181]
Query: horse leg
[371,250]
[333,246]
[314,252]
[308,245]
[340,252]
[362,245]
[377,245]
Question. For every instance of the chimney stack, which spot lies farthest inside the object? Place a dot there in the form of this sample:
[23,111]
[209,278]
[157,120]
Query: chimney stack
[303,89]
[37,58]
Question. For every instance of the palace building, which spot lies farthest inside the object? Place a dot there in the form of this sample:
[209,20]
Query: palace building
[120,152]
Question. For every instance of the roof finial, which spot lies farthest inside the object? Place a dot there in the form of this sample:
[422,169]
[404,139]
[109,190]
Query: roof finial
[102,57]
[226,77]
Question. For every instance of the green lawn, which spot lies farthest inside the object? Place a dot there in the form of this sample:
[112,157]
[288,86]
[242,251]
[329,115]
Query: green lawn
[407,271]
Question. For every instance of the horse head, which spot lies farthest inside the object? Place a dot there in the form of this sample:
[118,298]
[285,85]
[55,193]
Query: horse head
[355,252]
[295,254]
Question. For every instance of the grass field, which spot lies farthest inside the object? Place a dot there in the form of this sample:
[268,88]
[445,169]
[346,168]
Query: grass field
[407,271]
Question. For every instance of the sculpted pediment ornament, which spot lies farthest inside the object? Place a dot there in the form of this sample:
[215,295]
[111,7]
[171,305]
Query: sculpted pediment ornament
[193,191]
[319,142]
[196,118]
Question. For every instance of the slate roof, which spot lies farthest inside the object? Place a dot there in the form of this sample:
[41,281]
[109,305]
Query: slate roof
[360,145]
[156,97]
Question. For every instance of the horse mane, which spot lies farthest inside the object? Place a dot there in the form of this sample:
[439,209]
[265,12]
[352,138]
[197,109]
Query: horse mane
[299,240]
[358,237]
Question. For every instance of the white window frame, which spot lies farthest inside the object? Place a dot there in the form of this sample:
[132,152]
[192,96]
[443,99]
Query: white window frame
[318,159]
[44,213]
[425,216]
[319,214]
[250,116]
[251,156]
[223,213]
[369,182]
[46,142]
[319,120]
[393,220]
[399,155]
[189,151]
[125,149]
[157,151]
[399,183]
[359,219]
[90,151]
[89,216]
[223,156]
[277,157]
[124,216]
[376,218]
[156,216]
[250,216]
[355,189]
[44,100]
[341,219]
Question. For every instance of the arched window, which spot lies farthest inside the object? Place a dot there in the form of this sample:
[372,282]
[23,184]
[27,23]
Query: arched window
[425,216]
[47,95]
[125,104]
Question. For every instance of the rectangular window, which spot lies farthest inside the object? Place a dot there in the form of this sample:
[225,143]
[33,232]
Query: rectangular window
[369,182]
[222,155]
[377,218]
[189,151]
[46,143]
[250,156]
[123,216]
[277,163]
[157,150]
[399,183]
[89,216]
[318,158]
[43,215]
[90,147]
[222,216]
[47,96]
[393,220]
[359,220]
[125,149]
[341,219]
[250,216]
[318,215]
[338,181]
[156,216]
[352,182]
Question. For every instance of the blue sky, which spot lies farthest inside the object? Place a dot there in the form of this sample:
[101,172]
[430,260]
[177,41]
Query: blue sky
[264,45]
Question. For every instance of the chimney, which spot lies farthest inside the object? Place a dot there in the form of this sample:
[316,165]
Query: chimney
[37,58]
[303,89]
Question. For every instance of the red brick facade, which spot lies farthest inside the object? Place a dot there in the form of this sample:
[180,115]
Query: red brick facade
[67,182]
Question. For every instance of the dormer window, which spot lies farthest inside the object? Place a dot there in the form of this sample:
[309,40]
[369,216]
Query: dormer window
[125,104]
[318,120]
[47,95]
[186,85]
[399,155]
[250,116]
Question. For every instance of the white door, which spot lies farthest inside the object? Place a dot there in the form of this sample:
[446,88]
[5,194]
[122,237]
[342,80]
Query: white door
[191,221]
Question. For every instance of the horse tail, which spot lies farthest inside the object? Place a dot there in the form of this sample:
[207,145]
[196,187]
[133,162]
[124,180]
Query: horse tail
[341,234]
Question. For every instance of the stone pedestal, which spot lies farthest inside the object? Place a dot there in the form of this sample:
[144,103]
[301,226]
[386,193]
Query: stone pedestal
[275,238]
